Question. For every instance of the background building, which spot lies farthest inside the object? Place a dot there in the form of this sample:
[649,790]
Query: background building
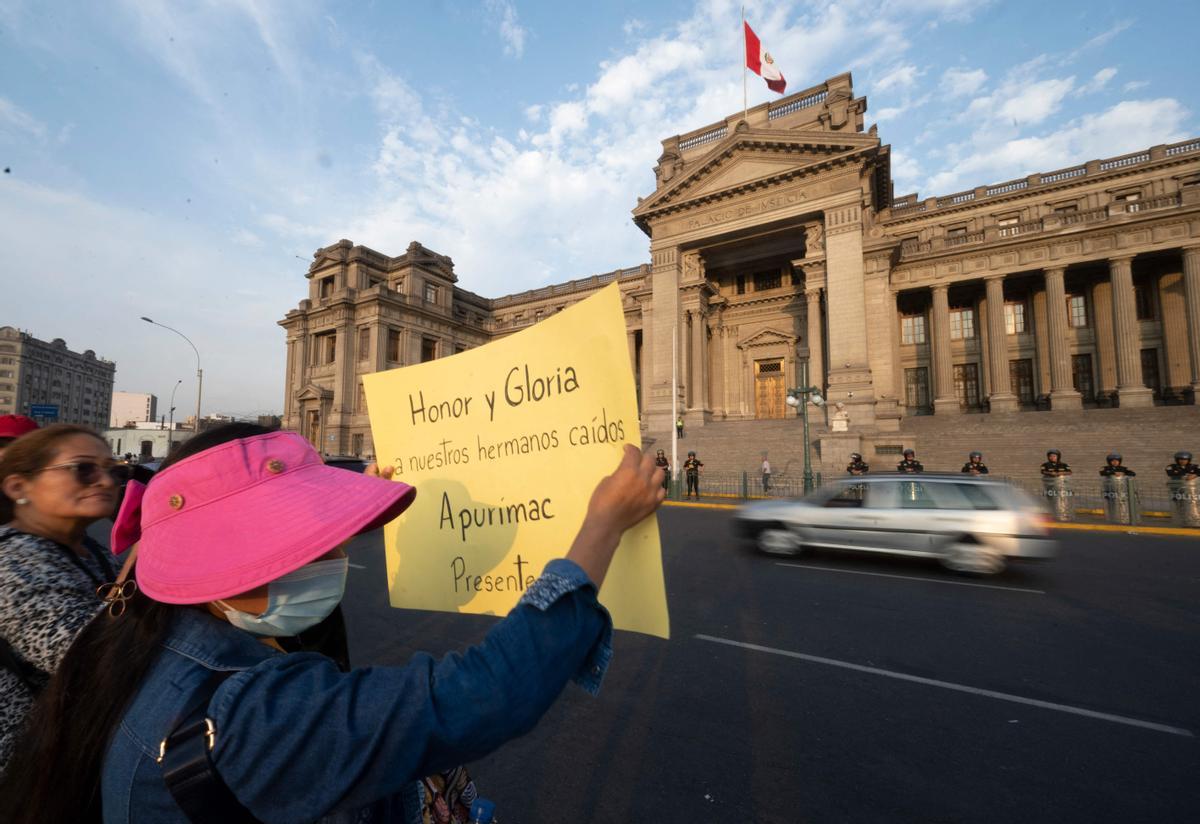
[39,377]
[132,407]
[778,249]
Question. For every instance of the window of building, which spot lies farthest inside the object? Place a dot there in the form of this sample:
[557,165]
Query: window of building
[1008,225]
[956,231]
[431,292]
[324,348]
[912,329]
[356,445]
[1077,317]
[1020,379]
[428,349]
[1143,294]
[393,346]
[741,284]
[1014,317]
[916,390]
[797,277]
[1130,200]
[962,324]
[767,280]
[326,287]
[966,385]
[360,403]
[1066,209]
[1150,378]
[364,344]
[1081,376]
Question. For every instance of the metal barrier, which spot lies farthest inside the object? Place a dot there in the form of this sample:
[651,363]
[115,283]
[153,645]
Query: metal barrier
[1185,501]
[744,485]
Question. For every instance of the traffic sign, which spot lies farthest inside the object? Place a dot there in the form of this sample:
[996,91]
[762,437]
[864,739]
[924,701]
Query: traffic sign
[45,411]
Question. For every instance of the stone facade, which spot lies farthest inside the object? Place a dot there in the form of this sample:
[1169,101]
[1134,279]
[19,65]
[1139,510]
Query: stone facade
[34,372]
[777,250]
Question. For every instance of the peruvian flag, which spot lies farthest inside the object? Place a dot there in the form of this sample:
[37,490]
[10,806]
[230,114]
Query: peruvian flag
[759,61]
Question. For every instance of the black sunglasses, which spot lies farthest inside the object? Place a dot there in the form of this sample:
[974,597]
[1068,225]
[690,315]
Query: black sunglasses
[88,472]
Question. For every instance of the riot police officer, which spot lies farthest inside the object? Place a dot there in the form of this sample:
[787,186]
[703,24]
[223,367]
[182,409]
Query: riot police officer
[910,464]
[1054,465]
[660,460]
[857,466]
[975,465]
[1183,469]
[1114,468]
[691,468]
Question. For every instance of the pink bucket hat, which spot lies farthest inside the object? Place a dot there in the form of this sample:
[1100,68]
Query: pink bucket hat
[243,513]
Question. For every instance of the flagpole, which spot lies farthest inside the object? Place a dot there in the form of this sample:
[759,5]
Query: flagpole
[745,108]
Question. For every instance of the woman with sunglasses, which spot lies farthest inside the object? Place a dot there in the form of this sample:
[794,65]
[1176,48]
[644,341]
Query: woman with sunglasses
[176,703]
[56,482]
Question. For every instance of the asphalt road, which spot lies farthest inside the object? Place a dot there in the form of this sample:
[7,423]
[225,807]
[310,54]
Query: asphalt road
[871,690]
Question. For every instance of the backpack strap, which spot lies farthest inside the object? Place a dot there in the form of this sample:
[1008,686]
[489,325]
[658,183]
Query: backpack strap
[188,771]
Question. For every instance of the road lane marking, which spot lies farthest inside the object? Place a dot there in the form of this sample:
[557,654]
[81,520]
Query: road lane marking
[948,685]
[910,578]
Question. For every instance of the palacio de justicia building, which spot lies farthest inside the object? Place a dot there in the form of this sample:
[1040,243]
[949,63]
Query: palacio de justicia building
[778,246]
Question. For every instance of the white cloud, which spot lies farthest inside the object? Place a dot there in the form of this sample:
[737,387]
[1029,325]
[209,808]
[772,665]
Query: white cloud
[1021,102]
[962,82]
[15,119]
[504,16]
[898,78]
[1098,82]
[1134,85]
[1125,127]
[633,26]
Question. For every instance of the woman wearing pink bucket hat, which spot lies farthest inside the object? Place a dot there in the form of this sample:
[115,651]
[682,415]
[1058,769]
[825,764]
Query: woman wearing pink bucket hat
[179,684]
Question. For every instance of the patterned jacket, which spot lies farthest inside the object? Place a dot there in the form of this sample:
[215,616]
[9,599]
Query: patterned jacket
[47,595]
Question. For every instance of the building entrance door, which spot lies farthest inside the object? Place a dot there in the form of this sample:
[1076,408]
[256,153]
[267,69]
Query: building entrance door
[312,429]
[966,385]
[769,390]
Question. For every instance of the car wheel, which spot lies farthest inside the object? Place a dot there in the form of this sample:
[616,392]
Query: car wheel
[778,541]
[970,557]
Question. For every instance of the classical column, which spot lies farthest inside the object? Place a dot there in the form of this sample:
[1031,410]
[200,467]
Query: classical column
[944,399]
[1191,298]
[1001,398]
[1062,390]
[699,387]
[1127,335]
[816,351]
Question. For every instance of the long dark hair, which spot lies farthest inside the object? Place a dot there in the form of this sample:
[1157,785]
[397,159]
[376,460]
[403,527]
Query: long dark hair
[54,773]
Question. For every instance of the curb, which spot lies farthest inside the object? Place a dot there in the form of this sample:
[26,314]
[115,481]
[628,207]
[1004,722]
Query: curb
[1180,532]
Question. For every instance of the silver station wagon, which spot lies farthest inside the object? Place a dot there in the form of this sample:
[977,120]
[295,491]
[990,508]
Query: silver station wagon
[970,524]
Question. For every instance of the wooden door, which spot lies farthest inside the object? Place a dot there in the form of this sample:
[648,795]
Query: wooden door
[769,390]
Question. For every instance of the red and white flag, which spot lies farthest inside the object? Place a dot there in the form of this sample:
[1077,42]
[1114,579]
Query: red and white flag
[759,61]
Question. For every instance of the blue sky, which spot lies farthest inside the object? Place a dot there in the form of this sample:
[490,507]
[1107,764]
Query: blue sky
[174,159]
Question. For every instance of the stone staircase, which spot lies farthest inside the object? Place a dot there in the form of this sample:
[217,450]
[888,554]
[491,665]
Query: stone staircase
[1013,445]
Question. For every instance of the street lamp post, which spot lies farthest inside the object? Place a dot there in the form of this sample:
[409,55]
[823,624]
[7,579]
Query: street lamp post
[199,371]
[171,424]
[798,398]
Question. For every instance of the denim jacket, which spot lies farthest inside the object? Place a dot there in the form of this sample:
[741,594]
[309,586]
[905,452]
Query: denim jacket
[298,740]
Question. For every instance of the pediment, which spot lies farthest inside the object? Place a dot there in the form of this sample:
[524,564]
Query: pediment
[767,337]
[754,157]
[313,392]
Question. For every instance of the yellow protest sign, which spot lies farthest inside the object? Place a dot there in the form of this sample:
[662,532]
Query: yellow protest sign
[505,444]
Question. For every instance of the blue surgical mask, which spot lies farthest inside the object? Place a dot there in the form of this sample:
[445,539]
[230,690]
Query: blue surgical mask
[297,601]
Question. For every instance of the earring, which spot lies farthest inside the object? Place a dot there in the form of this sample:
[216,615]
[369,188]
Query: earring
[22,501]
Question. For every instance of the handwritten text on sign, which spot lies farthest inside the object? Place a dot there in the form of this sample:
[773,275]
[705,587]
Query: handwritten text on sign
[505,444]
